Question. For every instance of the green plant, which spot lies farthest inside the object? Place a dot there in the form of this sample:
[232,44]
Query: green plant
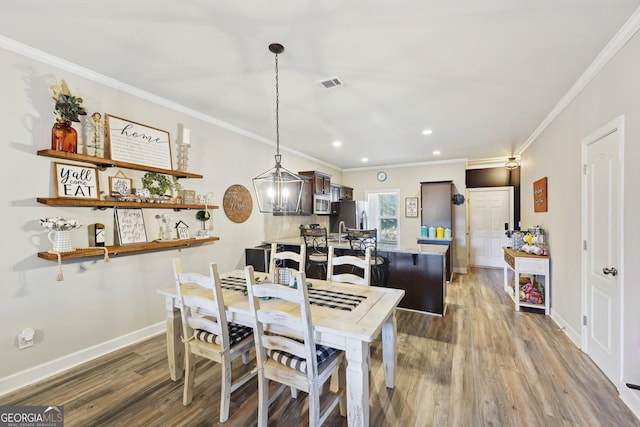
[203,216]
[67,107]
[156,183]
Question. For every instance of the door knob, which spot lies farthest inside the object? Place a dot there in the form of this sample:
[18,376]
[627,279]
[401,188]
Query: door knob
[612,271]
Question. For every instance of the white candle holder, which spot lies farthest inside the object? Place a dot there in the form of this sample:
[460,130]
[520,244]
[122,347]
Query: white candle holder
[183,157]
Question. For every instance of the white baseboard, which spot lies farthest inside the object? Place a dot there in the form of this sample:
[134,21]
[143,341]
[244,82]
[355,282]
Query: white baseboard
[53,367]
[460,270]
[631,398]
[573,335]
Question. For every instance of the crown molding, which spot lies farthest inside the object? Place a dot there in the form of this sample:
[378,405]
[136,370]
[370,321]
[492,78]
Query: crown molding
[625,33]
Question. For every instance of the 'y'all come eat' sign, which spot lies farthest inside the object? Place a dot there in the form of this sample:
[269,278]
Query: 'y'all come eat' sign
[78,182]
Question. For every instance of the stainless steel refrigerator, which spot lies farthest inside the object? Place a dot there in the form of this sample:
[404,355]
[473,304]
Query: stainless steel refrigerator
[354,213]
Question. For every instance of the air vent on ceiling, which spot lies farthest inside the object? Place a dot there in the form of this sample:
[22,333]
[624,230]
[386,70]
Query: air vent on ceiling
[331,83]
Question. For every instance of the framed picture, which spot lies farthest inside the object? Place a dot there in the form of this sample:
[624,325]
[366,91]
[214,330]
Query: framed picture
[411,207]
[189,197]
[130,224]
[136,143]
[540,195]
[76,182]
[120,186]
[183,233]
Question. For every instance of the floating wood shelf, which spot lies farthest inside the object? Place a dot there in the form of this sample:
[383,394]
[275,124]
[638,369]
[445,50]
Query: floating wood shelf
[116,204]
[103,163]
[107,163]
[117,250]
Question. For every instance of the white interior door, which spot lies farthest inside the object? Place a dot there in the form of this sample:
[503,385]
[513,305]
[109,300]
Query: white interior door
[489,210]
[602,237]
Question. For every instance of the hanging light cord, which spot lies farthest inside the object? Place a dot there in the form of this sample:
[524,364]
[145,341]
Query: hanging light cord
[278,157]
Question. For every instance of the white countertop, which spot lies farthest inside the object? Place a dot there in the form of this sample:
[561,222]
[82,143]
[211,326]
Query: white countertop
[429,249]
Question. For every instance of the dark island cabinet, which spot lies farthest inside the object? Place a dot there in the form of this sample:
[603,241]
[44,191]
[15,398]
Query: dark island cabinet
[421,276]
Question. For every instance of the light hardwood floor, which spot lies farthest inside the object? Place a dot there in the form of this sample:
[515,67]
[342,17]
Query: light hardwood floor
[482,364]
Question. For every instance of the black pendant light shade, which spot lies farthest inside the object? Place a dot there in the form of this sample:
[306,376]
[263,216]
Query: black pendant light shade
[278,190]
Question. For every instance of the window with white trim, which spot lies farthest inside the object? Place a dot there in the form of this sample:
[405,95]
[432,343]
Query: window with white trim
[384,208]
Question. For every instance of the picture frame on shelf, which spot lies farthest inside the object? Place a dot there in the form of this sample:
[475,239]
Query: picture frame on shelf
[120,185]
[182,230]
[411,207]
[188,197]
[133,142]
[76,182]
[130,225]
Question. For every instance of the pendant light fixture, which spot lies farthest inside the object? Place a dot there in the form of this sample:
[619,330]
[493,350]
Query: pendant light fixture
[278,190]
[512,163]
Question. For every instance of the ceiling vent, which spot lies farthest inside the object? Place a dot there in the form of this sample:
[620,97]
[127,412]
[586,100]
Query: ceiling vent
[331,83]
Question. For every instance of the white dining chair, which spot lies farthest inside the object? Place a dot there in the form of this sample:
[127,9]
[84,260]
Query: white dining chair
[206,332]
[292,357]
[280,258]
[348,266]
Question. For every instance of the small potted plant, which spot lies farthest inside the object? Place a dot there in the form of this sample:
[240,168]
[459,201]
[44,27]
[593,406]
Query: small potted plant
[203,216]
[67,109]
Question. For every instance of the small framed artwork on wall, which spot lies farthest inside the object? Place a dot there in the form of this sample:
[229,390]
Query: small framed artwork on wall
[411,207]
[540,195]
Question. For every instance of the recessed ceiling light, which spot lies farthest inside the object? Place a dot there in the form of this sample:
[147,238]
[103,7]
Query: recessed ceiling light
[337,143]
[436,153]
[427,132]
[364,159]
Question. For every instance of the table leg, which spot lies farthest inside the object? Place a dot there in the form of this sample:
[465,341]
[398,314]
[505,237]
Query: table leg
[357,354]
[389,355]
[175,349]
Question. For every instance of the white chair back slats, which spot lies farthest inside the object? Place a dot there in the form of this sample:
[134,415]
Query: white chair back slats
[207,333]
[293,360]
[349,265]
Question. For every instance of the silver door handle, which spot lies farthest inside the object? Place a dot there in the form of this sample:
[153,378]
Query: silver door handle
[612,271]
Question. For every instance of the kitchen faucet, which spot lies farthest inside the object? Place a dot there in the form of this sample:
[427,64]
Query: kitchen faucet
[341,225]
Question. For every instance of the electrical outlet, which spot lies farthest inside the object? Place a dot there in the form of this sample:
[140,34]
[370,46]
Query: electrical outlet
[26,338]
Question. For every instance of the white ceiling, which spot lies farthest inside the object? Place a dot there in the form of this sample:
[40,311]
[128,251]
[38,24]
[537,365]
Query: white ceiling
[482,74]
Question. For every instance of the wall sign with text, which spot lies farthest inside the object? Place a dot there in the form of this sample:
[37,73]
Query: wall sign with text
[237,203]
[540,195]
[133,142]
[130,224]
[76,182]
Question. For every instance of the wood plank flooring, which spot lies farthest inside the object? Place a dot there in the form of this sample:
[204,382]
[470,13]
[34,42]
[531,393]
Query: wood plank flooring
[481,365]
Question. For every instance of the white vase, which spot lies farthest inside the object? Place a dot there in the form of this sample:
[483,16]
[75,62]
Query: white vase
[61,241]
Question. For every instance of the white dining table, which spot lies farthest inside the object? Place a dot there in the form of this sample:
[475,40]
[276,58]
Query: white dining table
[349,330]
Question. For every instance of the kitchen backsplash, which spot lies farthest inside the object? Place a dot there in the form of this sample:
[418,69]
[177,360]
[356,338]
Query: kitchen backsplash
[282,227]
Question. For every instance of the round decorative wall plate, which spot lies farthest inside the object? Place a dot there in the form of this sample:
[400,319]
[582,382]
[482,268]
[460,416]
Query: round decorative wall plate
[237,203]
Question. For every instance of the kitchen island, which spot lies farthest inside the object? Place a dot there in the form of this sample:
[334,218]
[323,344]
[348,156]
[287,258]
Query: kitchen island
[420,271]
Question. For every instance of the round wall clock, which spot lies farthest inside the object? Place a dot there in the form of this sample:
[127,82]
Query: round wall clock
[237,203]
[382,176]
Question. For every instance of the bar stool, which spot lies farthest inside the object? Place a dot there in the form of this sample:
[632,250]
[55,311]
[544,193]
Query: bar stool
[315,240]
[360,240]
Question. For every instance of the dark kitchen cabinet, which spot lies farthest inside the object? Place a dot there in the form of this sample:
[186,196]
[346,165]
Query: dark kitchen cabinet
[306,200]
[346,193]
[340,192]
[421,276]
[435,201]
[437,211]
[320,182]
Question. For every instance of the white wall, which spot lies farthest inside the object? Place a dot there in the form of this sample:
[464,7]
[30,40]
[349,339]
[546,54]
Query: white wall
[407,180]
[98,302]
[556,154]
